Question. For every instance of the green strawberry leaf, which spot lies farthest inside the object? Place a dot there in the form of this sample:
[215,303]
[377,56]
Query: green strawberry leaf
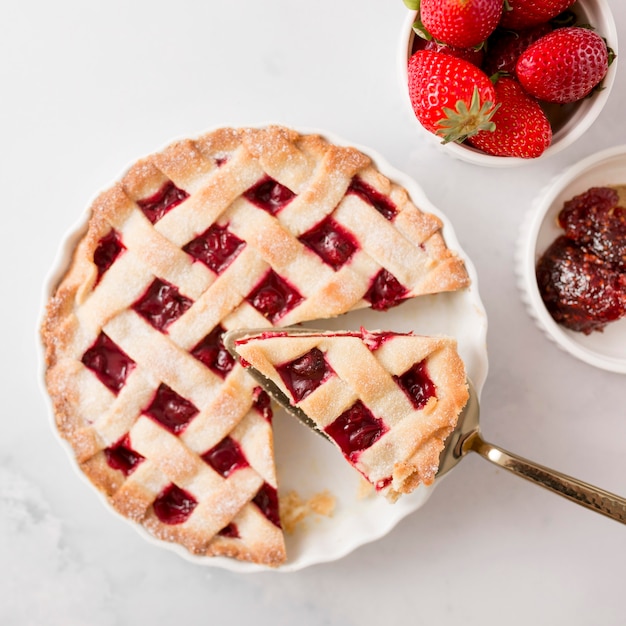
[414,5]
[463,121]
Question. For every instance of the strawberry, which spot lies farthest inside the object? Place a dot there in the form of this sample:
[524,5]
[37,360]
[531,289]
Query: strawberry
[524,13]
[461,23]
[564,65]
[505,46]
[472,55]
[522,128]
[451,97]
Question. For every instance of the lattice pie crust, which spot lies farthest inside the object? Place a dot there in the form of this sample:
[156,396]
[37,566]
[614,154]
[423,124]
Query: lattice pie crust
[241,228]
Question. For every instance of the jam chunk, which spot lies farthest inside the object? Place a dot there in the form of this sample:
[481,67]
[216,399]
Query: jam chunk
[217,248]
[331,242]
[380,202]
[356,429]
[417,385]
[274,297]
[108,362]
[269,195]
[212,352]
[174,505]
[162,304]
[305,374]
[225,457]
[122,457]
[267,501]
[582,275]
[170,409]
[108,249]
[385,291]
[164,200]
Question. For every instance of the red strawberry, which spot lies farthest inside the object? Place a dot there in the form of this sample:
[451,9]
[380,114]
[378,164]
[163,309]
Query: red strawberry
[462,23]
[505,46]
[451,97]
[524,13]
[472,55]
[564,65]
[522,128]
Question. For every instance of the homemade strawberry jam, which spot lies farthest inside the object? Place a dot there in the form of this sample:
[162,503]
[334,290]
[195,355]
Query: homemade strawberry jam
[581,276]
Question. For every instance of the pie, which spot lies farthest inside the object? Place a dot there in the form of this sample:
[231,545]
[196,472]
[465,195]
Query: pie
[240,228]
[387,400]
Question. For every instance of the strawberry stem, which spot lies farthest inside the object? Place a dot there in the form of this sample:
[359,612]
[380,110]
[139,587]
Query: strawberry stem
[463,121]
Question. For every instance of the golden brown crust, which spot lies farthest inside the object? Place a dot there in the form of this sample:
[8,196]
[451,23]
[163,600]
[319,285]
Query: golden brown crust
[365,366]
[214,171]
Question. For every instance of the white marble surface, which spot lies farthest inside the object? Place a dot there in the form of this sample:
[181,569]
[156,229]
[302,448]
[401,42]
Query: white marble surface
[89,87]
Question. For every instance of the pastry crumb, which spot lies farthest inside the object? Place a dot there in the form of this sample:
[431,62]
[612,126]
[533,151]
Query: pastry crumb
[294,510]
[365,489]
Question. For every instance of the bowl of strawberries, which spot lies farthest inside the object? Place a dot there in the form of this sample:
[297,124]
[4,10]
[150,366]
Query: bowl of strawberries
[503,83]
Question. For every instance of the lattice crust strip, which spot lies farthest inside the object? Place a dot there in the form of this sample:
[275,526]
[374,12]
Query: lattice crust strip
[239,228]
[387,400]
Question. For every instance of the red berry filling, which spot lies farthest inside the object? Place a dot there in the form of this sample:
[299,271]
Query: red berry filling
[171,410]
[262,403]
[108,363]
[120,456]
[385,291]
[356,429]
[417,385]
[217,248]
[269,195]
[213,354]
[274,297]
[162,304]
[334,244]
[230,531]
[366,192]
[164,200]
[108,249]
[225,457]
[174,505]
[267,501]
[305,374]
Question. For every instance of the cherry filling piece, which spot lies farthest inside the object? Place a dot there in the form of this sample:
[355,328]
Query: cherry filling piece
[213,354]
[164,200]
[217,248]
[417,385]
[162,304]
[334,244]
[385,291]
[269,195]
[230,531]
[273,297]
[171,410]
[356,429]
[108,249]
[380,202]
[174,505]
[225,457]
[120,456]
[305,374]
[108,363]
[262,403]
[267,501]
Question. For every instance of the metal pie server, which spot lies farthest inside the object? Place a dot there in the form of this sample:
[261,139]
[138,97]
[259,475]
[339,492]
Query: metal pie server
[466,438]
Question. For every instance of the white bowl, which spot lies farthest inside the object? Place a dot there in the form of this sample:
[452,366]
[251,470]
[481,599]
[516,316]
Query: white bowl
[575,119]
[606,349]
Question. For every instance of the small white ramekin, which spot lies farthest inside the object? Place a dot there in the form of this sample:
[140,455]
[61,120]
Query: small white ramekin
[576,118]
[606,349]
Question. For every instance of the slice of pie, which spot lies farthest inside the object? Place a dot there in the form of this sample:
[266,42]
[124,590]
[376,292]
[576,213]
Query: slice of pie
[387,400]
[240,228]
